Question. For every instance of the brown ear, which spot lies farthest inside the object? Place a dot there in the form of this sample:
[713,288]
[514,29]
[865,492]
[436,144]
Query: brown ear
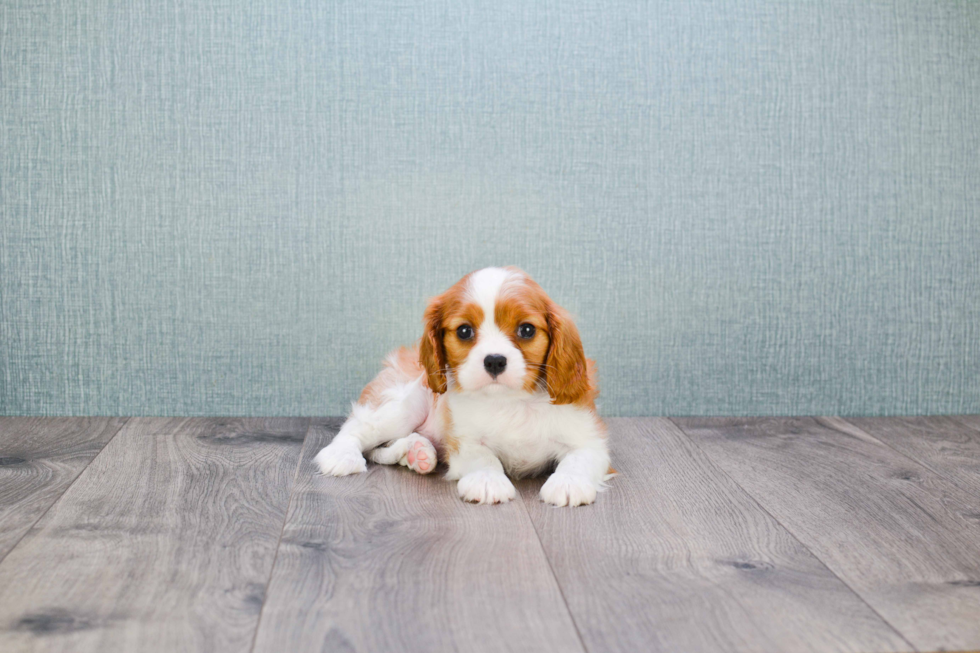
[432,355]
[568,379]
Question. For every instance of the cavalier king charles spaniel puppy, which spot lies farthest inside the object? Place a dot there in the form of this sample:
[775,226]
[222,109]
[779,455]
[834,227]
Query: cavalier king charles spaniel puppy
[498,385]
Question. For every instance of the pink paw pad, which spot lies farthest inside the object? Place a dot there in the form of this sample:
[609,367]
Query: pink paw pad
[421,456]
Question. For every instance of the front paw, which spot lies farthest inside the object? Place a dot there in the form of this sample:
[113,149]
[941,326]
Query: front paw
[486,487]
[567,490]
[337,459]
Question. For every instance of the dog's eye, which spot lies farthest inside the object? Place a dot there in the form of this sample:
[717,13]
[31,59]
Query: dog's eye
[525,331]
[464,332]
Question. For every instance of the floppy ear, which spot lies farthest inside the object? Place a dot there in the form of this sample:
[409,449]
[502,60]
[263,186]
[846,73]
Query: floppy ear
[432,355]
[568,379]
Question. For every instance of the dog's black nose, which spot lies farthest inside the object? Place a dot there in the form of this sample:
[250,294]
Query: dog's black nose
[494,364]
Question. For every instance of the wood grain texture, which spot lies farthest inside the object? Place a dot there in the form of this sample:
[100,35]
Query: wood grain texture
[392,561]
[676,557]
[164,543]
[39,459]
[945,445]
[906,539]
[973,421]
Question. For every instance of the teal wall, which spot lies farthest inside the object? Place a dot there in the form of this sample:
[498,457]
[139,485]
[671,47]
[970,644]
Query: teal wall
[238,207]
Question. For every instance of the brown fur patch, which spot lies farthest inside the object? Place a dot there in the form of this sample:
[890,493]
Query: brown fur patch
[432,347]
[450,442]
[569,376]
[454,317]
[401,366]
[523,305]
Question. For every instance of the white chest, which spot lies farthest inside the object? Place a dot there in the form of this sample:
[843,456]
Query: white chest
[526,432]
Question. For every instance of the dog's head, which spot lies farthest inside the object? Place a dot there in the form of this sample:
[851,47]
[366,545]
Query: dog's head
[496,329]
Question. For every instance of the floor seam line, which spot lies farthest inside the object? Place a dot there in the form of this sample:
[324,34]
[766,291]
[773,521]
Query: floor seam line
[793,535]
[942,475]
[893,449]
[65,491]
[956,418]
[285,520]
[547,558]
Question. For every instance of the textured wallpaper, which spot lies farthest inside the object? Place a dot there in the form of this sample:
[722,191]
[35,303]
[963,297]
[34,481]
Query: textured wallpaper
[237,207]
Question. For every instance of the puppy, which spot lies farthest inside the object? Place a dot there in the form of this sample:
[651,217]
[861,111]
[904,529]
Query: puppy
[498,385]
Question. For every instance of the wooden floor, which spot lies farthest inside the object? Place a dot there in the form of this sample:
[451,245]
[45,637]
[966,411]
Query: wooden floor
[721,534]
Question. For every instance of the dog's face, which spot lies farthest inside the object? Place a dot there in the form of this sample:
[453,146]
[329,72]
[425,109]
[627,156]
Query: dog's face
[496,329]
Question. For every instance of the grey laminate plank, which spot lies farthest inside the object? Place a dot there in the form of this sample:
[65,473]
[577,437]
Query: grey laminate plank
[392,561]
[674,556]
[39,459]
[164,543]
[973,421]
[906,539]
[943,444]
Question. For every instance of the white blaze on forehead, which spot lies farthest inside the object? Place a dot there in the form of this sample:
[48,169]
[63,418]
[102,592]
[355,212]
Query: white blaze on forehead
[484,288]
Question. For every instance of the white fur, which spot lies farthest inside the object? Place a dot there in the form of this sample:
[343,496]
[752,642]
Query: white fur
[501,428]
[397,453]
[486,486]
[523,433]
[405,408]
[484,288]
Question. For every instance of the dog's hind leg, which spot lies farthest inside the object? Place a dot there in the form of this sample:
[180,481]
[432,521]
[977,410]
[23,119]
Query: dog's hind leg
[415,452]
[402,409]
